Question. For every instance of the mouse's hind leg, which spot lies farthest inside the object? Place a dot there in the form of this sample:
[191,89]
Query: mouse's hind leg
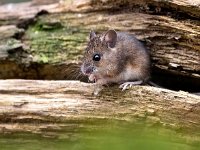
[127,85]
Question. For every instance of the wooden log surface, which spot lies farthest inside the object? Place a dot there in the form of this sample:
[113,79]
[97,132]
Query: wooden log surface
[35,102]
[188,8]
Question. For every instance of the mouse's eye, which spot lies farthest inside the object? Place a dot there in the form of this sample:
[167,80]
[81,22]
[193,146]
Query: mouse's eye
[96,57]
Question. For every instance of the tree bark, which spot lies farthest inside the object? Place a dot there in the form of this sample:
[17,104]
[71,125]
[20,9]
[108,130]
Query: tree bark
[33,101]
[189,7]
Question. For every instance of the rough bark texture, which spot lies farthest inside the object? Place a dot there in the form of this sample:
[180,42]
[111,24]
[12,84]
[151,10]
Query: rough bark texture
[34,101]
[185,7]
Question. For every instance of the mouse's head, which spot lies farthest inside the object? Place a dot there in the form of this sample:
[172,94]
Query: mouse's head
[99,58]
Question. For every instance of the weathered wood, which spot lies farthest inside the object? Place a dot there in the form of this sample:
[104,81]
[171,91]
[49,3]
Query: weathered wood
[185,7]
[32,101]
[27,10]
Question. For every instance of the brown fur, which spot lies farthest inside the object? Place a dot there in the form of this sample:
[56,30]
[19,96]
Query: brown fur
[128,60]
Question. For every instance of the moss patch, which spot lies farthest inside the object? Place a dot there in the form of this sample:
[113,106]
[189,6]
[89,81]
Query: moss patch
[53,40]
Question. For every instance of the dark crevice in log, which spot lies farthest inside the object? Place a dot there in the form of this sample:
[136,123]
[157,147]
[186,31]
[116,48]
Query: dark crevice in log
[25,23]
[35,117]
[164,78]
[167,11]
[175,82]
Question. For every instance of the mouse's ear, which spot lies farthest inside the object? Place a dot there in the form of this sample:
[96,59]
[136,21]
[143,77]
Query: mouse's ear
[111,38]
[92,34]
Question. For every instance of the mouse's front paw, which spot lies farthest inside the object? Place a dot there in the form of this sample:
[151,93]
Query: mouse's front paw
[127,85]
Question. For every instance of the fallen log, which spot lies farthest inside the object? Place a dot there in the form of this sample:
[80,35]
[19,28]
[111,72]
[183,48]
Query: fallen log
[35,102]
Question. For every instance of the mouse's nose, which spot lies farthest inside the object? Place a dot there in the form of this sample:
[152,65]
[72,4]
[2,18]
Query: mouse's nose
[87,69]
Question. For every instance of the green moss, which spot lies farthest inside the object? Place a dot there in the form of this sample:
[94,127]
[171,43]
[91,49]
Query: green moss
[53,40]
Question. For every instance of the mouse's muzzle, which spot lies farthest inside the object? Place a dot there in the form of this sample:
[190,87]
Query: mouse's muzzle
[87,69]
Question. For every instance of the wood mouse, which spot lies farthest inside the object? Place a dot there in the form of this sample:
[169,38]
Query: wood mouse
[116,57]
